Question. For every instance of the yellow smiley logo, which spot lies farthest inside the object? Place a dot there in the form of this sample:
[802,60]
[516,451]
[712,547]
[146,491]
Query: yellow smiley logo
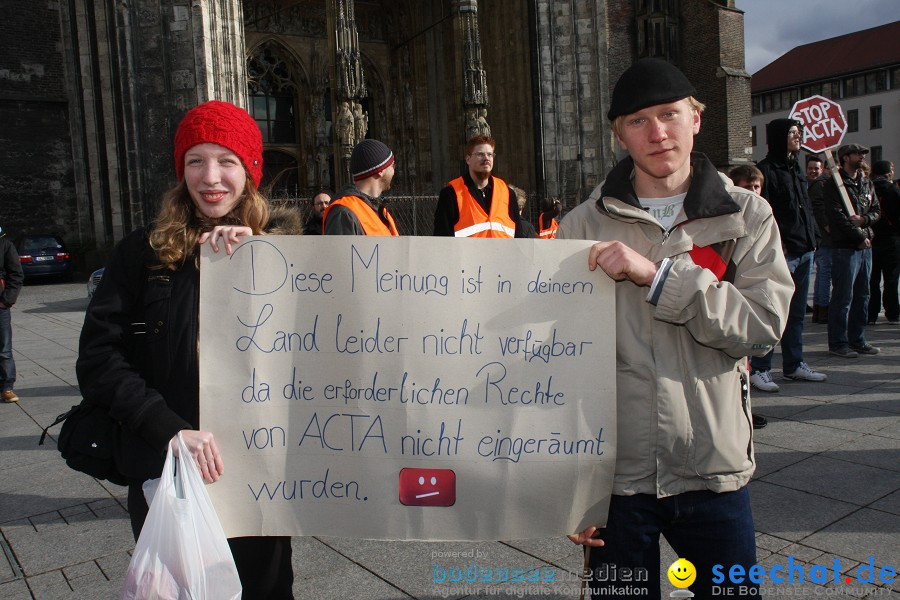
[682,573]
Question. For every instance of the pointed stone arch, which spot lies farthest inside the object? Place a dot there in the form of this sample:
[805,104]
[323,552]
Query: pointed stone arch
[277,84]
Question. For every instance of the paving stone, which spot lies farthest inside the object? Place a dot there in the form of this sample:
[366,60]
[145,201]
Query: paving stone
[890,503]
[891,431]
[52,584]
[804,437]
[872,450]
[801,552]
[73,511]
[59,545]
[792,514]
[770,459]
[15,590]
[85,569]
[549,550]
[771,543]
[342,579]
[853,417]
[115,566]
[780,405]
[847,565]
[885,397]
[837,479]
[860,535]
[53,487]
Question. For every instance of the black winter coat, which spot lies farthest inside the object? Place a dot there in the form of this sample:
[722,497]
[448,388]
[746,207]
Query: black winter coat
[785,189]
[10,272]
[887,228]
[862,196]
[138,353]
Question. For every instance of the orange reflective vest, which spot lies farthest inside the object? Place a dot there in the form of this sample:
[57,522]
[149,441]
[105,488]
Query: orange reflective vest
[550,232]
[368,218]
[474,222]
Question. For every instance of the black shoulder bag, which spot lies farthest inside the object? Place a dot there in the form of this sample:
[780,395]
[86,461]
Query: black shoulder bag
[87,441]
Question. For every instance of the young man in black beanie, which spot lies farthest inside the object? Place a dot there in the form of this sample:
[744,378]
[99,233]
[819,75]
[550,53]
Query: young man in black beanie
[358,210]
[701,283]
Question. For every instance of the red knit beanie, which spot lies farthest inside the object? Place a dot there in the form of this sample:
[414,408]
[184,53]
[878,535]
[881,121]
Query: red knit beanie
[224,124]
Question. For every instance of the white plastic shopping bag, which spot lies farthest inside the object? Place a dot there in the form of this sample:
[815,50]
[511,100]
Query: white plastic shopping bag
[182,552]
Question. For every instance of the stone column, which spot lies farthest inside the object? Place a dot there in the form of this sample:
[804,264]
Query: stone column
[219,50]
[350,121]
[475,93]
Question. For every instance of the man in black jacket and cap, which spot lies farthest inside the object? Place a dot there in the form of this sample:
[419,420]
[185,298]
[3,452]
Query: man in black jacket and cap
[11,278]
[851,256]
[785,189]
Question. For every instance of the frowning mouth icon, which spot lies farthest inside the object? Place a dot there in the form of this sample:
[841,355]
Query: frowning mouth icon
[427,487]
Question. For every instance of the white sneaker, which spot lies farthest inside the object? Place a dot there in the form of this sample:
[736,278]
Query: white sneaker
[763,381]
[804,373]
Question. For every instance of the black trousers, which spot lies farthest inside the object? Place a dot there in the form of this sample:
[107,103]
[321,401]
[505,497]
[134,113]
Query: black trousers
[263,563]
[886,264]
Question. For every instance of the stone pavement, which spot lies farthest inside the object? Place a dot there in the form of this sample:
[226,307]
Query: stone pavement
[827,487]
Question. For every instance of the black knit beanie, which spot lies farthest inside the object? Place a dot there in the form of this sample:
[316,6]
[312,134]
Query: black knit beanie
[369,158]
[648,82]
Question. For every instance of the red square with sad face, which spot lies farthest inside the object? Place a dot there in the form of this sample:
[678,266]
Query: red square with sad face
[427,487]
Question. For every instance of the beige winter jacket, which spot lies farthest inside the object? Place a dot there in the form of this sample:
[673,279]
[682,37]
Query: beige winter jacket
[684,419]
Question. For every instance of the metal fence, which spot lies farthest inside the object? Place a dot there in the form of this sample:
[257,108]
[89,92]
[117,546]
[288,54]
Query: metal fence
[414,215]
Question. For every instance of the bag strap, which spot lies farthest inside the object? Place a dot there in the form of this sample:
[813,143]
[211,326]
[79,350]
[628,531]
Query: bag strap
[58,420]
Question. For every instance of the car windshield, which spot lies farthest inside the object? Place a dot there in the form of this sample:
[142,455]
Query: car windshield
[40,242]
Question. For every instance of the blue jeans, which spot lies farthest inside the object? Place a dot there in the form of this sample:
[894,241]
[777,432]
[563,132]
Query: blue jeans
[848,311]
[822,289]
[800,267]
[7,364]
[703,527]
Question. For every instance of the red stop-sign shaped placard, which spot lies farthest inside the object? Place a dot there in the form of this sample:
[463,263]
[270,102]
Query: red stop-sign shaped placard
[823,122]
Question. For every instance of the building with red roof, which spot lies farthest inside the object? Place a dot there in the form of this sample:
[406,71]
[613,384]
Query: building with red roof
[860,71]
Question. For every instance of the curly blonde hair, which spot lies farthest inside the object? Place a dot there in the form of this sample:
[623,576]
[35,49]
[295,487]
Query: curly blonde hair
[177,228]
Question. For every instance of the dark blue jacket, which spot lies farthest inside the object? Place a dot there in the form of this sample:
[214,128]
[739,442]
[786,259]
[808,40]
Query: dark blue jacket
[10,272]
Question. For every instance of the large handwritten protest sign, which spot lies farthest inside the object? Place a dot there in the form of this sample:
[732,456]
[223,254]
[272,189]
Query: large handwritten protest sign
[408,388]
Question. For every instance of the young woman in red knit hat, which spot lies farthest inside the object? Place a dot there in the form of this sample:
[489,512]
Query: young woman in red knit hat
[138,347]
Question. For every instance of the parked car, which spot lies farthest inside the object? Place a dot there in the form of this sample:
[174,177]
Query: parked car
[44,255]
[93,281]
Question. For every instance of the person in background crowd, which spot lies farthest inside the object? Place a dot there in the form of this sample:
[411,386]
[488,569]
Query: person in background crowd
[547,223]
[851,257]
[314,222]
[816,174]
[149,376]
[815,167]
[885,246]
[698,288]
[521,201]
[750,178]
[478,204]
[11,279]
[360,209]
[785,189]
[747,177]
